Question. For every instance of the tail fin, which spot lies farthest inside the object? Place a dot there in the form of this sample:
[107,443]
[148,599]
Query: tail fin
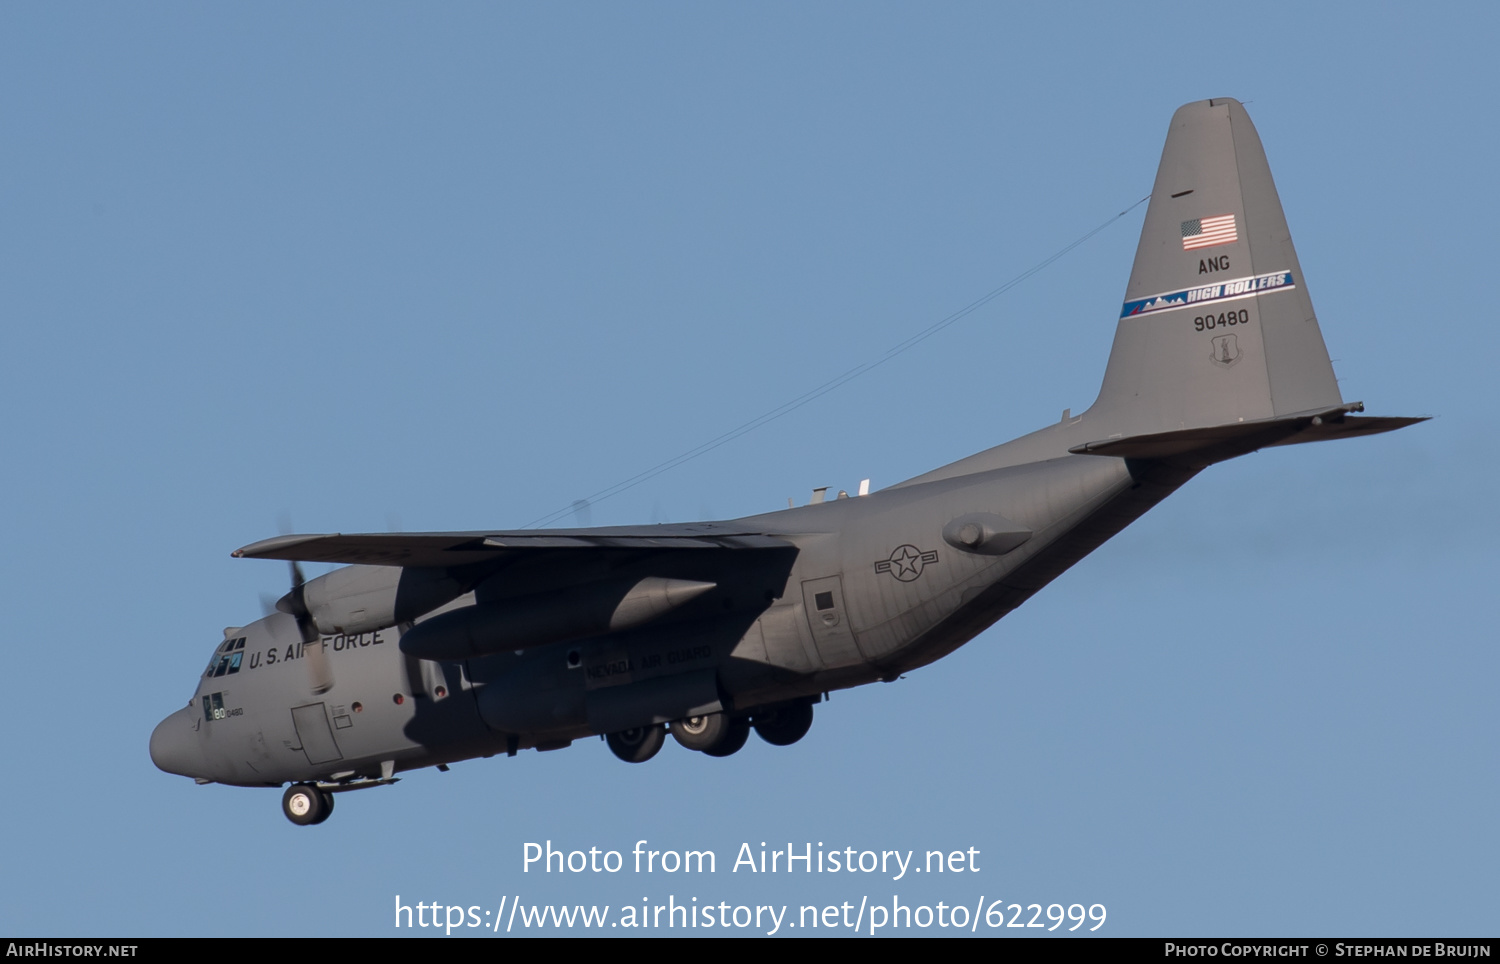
[1217,326]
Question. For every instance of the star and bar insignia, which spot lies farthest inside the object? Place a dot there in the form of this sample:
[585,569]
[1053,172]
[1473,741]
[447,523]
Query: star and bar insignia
[907,562]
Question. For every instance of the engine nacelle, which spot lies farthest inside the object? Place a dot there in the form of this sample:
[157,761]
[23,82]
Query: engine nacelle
[549,617]
[362,599]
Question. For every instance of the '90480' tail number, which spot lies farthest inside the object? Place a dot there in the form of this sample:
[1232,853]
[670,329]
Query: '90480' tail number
[1224,319]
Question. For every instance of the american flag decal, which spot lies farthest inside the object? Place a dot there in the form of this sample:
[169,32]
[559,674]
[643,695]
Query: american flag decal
[1207,232]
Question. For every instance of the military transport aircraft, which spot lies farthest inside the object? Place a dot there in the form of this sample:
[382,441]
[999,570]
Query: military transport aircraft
[437,647]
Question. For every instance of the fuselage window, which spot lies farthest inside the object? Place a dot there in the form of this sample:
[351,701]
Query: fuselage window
[213,706]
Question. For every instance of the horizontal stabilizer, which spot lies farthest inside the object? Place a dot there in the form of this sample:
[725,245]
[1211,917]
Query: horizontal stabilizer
[1219,442]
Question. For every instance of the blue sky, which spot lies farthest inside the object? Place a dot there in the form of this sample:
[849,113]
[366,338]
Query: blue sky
[365,266]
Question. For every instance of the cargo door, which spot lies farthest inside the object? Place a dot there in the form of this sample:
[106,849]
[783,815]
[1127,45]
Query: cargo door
[311,722]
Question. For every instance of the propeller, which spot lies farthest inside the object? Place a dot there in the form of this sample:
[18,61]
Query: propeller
[294,604]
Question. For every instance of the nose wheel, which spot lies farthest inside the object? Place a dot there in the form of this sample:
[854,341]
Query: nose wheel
[305,804]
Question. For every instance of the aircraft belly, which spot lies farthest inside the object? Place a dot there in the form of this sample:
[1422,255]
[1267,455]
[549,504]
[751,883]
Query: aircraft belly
[657,700]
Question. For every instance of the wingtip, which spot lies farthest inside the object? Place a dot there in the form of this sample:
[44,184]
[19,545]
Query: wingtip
[268,548]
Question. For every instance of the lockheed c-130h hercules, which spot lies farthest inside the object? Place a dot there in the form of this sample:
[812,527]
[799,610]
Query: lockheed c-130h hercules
[431,648]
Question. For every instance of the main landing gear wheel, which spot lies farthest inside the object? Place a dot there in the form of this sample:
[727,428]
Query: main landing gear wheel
[304,804]
[784,725]
[734,738]
[701,732]
[639,744]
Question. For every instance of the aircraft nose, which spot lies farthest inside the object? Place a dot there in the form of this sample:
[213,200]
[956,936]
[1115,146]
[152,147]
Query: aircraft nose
[174,745]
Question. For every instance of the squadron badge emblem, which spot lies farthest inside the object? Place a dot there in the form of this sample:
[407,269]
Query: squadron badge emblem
[1226,351]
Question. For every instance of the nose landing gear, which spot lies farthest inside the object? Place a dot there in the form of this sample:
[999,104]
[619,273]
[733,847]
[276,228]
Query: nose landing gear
[305,804]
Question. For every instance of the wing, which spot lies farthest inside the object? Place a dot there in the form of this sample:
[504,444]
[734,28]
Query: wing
[451,549]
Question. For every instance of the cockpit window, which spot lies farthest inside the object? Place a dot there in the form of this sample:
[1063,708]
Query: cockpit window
[228,665]
[226,658]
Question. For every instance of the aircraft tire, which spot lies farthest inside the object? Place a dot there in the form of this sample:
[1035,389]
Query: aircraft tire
[701,732]
[327,805]
[784,725]
[734,738]
[639,744]
[305,805]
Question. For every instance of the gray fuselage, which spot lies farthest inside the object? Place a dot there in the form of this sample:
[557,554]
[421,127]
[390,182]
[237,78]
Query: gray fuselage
[870,587]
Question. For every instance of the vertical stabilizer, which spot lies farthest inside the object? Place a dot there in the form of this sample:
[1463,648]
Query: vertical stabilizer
[1217,326]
